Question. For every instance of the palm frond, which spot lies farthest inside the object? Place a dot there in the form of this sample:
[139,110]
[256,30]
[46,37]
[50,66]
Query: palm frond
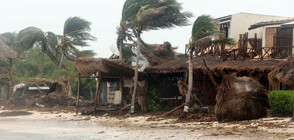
[88,53]
[161,14]
[27,38]
[203,26]
[78,30]
[224,41]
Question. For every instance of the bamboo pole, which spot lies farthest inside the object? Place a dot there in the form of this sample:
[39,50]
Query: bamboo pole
[11,79]
[78,94]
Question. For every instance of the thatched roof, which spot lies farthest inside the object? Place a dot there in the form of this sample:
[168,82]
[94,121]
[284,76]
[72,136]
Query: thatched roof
[6,52]
[215,64]
[284,72]
[106,67]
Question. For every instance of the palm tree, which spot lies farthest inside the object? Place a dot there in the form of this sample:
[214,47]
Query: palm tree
[153,15]
[129,11]
[204,28]
[76,32]
[32,36]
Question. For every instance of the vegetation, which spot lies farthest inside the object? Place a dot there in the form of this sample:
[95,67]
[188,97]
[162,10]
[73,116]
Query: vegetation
[154,104]
[281,102]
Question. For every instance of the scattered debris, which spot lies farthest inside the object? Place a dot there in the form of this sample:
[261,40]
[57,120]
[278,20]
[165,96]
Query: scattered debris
[15,113]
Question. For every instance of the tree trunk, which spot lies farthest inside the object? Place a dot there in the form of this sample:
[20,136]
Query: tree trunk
[60,64]
[121,45]
[42,65]
[136,73]
[190,83]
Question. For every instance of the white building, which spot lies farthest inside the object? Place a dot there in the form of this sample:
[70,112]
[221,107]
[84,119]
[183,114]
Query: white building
[239,23]
[276,33]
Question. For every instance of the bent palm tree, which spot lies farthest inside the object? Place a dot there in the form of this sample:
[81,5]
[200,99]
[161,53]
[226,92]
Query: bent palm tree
[32,36]
[76,32]
[204,27]
[153,15]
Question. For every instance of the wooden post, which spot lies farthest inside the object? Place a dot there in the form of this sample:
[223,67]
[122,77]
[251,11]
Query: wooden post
[121,86]
[78,94]
[11,78]
[97,94]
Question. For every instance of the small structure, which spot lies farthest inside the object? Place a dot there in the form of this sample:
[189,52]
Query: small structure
[6,73]
[44,86]
[42,92]
[105,70]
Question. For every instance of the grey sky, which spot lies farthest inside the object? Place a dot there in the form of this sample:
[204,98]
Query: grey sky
[50,15]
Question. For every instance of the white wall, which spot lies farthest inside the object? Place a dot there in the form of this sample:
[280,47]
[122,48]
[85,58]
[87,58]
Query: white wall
[242,21]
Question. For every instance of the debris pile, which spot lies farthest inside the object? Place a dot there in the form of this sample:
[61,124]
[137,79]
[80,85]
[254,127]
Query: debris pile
[240,98]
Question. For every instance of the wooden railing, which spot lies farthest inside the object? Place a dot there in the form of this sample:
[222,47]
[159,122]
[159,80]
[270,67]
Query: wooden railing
[267,53]
[279,52]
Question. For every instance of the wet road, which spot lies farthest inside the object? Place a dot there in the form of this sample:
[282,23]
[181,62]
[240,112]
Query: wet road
[16,129]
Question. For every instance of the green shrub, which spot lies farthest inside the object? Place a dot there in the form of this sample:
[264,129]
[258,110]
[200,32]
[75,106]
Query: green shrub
[155,104]
[281,102]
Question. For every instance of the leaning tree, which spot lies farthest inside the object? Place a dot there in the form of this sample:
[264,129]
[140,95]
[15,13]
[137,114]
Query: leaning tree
[146,15]
[204,29]
[76,33]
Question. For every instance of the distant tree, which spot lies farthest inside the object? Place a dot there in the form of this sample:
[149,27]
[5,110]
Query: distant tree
[33,36]
[146,15]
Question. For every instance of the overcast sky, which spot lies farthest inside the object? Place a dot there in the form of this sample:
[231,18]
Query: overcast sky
[50,15]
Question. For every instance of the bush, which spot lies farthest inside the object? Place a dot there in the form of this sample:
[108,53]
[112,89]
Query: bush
[155,104]
[281,102]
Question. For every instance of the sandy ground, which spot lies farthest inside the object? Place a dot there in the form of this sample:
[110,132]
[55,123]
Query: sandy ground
[26,124]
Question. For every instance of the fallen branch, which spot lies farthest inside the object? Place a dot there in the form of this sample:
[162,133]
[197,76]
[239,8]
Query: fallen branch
[125,107]
[167,113]
[210,74]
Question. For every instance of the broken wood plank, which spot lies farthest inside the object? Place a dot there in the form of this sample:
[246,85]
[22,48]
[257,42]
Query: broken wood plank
[125,107]
[167,113]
